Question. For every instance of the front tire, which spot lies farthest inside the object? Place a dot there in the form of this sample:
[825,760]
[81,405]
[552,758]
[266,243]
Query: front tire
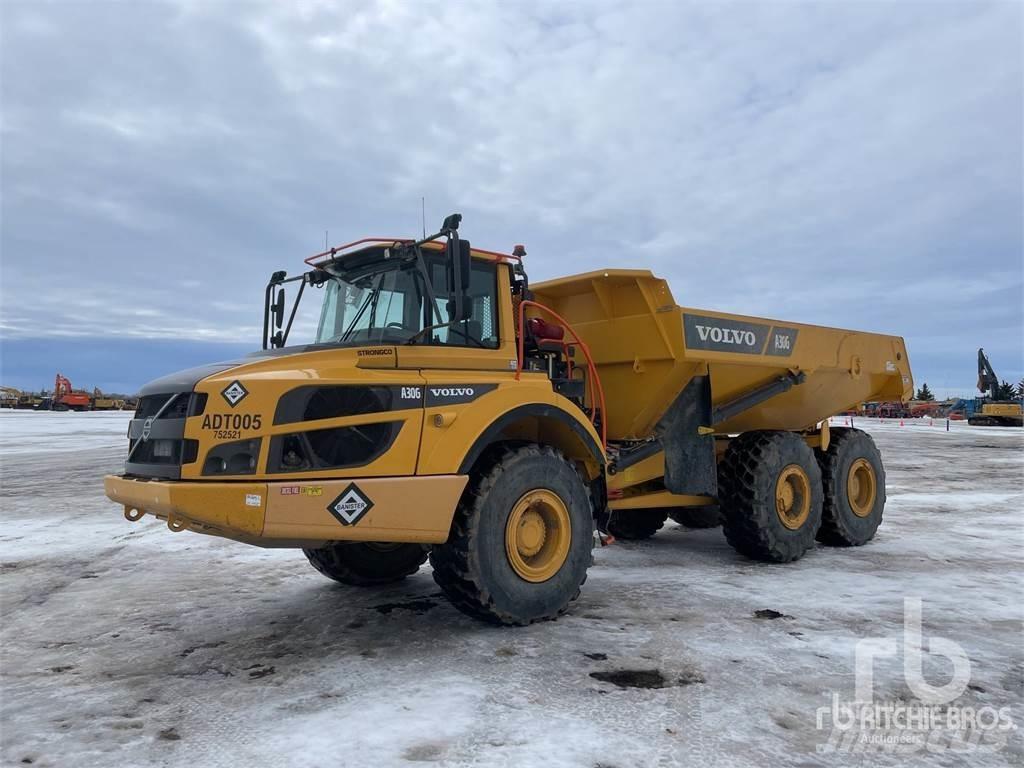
[854,483]
[367,564]
[771,496]
[521,539]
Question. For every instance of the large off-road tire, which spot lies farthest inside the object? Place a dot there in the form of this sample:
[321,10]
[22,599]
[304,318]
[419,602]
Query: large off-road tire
[853,479]
[771,495]
[521,540]
[633,524]
[367,564]
[697,517]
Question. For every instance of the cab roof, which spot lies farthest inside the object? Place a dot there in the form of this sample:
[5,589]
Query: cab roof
[373,243]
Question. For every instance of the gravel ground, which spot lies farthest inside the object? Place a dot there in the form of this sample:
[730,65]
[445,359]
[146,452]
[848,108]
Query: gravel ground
[124,644]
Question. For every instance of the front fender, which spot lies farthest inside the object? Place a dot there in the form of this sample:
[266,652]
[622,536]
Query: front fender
[454,437]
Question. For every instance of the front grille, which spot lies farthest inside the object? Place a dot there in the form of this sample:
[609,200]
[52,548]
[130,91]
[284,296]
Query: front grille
[164,452]
[186,404]
[164,449]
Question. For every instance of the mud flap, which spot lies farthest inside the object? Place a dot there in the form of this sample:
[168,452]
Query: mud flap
[690,466]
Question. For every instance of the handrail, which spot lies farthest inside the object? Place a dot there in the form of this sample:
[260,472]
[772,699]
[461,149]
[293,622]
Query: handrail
[332,252]
[593,377]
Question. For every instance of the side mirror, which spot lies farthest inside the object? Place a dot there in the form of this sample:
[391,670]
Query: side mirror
[457,253]
[464,264]
[279,309]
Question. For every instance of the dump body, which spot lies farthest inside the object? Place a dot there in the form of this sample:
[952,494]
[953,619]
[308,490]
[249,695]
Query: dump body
[647,348]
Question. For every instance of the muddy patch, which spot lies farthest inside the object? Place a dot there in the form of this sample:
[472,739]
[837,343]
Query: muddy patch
[260,670]
[192,649]
[424,753]
[416,606]
[646,678]
[768,613]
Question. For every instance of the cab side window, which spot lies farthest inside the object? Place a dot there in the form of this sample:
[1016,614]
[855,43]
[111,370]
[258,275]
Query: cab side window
[481,329]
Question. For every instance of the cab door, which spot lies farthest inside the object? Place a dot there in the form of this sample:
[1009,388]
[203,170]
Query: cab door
[466,367]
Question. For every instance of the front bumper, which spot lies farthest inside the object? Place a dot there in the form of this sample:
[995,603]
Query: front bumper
[298,513]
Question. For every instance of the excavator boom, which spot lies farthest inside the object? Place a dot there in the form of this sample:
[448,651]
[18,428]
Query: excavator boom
[988,382]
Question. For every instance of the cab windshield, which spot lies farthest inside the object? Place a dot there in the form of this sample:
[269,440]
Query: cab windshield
[385,302]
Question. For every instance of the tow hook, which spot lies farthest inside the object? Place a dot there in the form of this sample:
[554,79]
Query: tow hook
[176,524]
[132,514]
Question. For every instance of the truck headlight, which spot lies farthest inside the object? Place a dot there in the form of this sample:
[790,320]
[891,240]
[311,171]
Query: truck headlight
[237,458]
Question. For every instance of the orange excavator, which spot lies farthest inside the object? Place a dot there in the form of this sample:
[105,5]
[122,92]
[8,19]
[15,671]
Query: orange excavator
[65,398]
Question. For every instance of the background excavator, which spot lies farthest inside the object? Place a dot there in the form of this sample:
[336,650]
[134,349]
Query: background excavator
[996,412]
[65,398]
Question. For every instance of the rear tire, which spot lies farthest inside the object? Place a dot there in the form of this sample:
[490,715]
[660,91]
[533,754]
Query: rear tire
[697,517]
[771,495]
[521,540]
[853,479]
[367,564]
[635,524]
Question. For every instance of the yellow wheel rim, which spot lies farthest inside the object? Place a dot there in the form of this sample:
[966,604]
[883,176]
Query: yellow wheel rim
[861,487]
[537,535]
[793,496]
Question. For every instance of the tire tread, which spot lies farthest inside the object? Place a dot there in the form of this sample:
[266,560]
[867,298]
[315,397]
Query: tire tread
[454,563]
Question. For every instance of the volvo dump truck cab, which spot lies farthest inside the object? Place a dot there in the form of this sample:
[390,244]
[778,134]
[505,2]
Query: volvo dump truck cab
[448,409]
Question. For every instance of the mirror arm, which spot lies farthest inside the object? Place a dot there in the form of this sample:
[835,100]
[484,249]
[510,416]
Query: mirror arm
[422,265]
[266,315]
[456,267]
[295,308]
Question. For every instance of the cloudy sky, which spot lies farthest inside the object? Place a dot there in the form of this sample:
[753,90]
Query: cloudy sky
[856,164]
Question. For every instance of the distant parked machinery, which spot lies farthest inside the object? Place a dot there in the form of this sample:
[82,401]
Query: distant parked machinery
[66,399]
[9,397]
[887,410]
[995,412]
[28,401]
[926,409]
[101,402]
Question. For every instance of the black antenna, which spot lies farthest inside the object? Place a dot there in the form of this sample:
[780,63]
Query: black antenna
[423,215]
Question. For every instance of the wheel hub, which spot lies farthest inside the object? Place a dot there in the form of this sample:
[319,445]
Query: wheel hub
[793,497]
[537,535]
[861,487]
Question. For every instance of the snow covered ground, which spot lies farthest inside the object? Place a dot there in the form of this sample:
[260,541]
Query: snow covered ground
[124,644]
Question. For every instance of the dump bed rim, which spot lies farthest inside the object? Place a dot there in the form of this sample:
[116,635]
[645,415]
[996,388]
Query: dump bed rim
[568,280]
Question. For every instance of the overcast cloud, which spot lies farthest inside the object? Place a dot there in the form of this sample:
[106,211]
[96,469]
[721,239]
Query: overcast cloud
[852,164]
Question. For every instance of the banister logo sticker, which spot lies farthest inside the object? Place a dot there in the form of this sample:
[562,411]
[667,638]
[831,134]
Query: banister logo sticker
[234,393]
[350,506]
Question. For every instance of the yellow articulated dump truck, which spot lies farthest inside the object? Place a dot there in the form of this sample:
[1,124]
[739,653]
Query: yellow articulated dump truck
[449,409]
